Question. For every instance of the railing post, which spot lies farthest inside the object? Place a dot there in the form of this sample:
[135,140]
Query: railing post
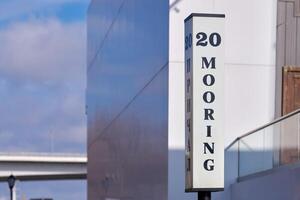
[238,161]
[298,142]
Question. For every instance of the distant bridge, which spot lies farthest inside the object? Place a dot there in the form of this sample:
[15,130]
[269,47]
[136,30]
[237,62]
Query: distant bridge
[43,166]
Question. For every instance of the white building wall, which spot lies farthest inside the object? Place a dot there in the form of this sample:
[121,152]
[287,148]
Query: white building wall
[249,77]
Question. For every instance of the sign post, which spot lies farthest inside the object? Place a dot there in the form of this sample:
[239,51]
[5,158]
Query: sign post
[204,97]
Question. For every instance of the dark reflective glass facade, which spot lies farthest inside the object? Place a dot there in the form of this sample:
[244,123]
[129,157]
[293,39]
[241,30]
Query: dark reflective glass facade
[127,99]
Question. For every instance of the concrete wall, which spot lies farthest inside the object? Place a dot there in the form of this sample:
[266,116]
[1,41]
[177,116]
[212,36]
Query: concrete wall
[249,78]
[278,184]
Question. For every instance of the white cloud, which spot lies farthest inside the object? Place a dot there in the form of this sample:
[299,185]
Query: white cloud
[6,135]
[75,134]
[3,198]
[42,83]
[45,50]
[14,8]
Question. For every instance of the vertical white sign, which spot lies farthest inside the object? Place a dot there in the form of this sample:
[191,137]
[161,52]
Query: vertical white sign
[204,97]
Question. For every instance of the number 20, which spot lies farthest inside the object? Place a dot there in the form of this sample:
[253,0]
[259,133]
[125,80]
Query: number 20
[188,41]
[214,39]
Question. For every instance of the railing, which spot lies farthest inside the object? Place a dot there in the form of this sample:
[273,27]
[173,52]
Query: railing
[272,145]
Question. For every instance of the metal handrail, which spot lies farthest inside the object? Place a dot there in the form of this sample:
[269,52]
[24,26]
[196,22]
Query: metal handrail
[262,127]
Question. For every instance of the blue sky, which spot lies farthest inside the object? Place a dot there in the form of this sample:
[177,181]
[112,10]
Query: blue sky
[42,83]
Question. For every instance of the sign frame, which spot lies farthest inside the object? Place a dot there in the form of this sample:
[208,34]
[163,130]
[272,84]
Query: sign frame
[204,99]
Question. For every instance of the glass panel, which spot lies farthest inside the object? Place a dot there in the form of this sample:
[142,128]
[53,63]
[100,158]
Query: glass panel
[269,156]
[231,163]
[289,140]
[251,153]
[275,145]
